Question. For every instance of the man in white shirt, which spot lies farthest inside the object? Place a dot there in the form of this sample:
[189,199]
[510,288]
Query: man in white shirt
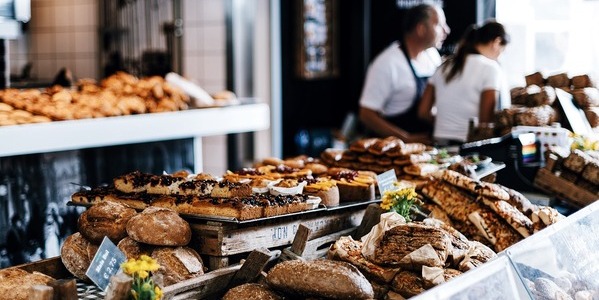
[394,83]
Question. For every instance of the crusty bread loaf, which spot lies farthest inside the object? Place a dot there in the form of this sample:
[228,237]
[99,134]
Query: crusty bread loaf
[252,291]
[581,81]
[591,172]
[592,114]
[586,97]
[15,284]
[576,161]
[159,226]
[307,278]
[133,249]
[105,218]
[535,78]
[77,254]
[176,264]
[407,284]
[559,80]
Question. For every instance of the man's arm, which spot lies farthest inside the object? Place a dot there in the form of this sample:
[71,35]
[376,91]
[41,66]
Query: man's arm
[375,122]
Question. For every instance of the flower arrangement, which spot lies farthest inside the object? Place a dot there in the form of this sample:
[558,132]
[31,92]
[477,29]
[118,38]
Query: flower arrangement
[584,143]
[143,287]
[400,200]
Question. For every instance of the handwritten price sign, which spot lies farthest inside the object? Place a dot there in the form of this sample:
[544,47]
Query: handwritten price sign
[106,262]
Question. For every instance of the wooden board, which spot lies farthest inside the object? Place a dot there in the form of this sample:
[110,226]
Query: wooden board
[566,190]
[217,239]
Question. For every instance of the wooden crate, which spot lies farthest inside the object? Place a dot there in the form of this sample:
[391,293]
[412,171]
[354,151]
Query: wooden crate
[220,240]
[565,190]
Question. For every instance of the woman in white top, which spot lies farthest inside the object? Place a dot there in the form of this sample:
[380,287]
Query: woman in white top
[467,84]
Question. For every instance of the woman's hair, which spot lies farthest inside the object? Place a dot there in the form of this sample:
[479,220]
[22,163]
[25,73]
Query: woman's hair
[473,36]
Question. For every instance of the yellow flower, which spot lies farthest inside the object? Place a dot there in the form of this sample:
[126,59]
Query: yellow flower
[143,274]
[158,293]
[146,287]
[134,294]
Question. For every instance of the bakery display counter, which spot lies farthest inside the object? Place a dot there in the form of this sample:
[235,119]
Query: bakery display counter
[559,262]
[100,132]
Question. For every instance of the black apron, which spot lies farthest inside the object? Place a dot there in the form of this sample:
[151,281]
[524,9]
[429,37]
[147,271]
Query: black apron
[409,120]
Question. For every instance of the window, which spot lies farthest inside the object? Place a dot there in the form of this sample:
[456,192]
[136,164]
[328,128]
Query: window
[550,36]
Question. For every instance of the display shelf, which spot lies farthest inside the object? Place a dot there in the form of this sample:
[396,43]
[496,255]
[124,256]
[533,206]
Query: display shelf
[560,260]
[122,130]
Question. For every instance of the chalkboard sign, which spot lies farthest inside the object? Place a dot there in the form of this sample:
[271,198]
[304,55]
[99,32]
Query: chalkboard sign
[106,262]
[386,180]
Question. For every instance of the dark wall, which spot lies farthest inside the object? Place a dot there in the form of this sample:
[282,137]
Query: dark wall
[366,27]
[321,103]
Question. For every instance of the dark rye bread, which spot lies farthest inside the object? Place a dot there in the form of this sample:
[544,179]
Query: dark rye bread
[252,291]
[320,278]
[176,264]
[403,239]
[159,226]
[77,254]
[105,218]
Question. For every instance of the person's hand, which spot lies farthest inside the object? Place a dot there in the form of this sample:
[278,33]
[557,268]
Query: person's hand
[424,138]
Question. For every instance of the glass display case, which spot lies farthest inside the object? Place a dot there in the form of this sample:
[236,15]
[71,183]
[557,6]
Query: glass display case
[559,262]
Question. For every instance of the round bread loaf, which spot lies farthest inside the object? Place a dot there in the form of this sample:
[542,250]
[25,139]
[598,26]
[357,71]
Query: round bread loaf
[159,226]
[132,249]
[77,254]
[252,291]
[305,278]
[105,218]
[176,264]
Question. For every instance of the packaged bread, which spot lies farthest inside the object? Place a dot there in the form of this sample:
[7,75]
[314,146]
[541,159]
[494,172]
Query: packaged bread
[320,278]
[159,226]
[105,218]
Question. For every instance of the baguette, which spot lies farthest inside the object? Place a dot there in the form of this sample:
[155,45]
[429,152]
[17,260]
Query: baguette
[320,278]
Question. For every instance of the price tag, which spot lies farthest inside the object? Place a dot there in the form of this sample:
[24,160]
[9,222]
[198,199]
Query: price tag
[386,180]
[106,262]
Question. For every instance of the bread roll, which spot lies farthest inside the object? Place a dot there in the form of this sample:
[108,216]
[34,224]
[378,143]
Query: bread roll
[176,264]
[105,218]
[307,278]
[581,81]
[252,291]
[159,226]
[77,254]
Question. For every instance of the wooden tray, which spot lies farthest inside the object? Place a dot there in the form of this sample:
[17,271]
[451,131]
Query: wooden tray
[566,190]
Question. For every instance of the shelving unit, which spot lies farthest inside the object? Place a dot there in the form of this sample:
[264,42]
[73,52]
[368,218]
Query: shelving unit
[122,130]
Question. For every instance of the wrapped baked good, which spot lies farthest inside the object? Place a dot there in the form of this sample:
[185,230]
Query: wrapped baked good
[305,278]
[407,284]
[105,218]
[159,226]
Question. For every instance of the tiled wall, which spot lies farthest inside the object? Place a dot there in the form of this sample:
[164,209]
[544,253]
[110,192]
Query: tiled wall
[64,33]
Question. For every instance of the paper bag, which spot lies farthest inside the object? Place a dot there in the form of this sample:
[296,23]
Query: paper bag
[371,240]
